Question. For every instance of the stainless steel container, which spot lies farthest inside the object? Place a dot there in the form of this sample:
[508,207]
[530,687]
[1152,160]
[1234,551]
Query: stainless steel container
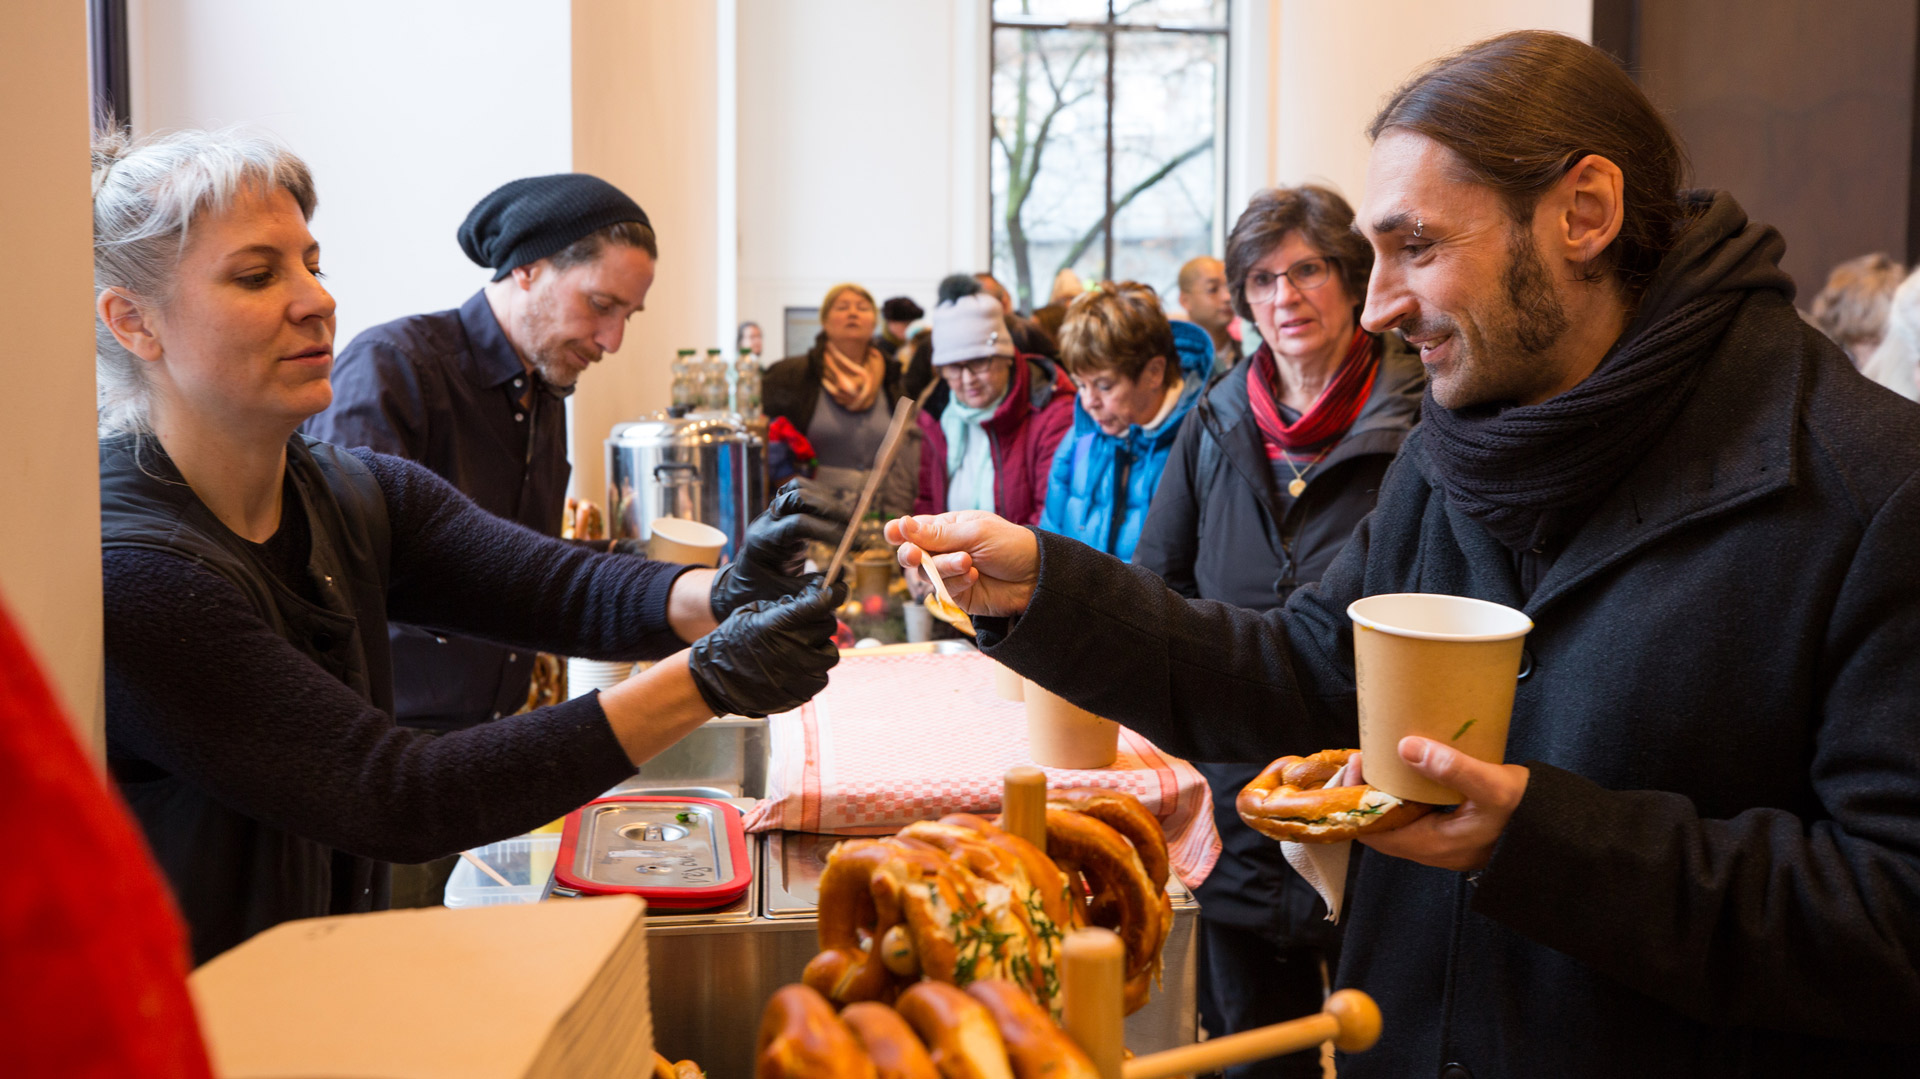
[706,467]
[711,979]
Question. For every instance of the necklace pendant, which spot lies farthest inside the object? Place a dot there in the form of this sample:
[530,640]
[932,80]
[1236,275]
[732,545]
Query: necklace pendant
[1297,488]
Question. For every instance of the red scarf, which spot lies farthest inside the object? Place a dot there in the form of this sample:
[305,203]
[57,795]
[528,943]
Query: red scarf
[1333,411]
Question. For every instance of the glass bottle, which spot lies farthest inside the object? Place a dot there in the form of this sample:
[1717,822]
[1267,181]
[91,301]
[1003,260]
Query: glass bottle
[685,392]
[713,382]
[746,385]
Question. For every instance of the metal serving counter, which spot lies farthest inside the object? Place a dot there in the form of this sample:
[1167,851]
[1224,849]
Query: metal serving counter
[711,978]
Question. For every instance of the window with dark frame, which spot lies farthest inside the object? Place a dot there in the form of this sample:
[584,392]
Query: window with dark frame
[1108,151]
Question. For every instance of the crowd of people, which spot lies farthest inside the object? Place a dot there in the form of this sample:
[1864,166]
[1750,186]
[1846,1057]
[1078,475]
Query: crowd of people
[1533,368]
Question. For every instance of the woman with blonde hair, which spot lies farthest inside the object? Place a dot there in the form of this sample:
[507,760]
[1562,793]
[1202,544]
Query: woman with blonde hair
[840,395]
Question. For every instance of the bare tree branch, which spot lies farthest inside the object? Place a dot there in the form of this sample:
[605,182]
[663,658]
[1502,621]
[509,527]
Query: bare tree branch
[1093,233]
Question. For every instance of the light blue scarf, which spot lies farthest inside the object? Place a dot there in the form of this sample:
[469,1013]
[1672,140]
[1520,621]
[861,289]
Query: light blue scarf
[969,455]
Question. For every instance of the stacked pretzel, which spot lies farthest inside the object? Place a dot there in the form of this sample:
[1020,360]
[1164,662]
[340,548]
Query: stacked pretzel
[991,1030]
[960,900]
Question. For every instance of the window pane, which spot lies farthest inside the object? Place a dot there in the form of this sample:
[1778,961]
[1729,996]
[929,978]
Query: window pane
[1168,90]
[1208,13]
[1051,10]
[1048,159]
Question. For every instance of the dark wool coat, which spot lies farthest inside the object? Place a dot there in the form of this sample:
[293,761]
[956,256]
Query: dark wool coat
[1024,431]
[791,388]
[1220,529]
[1715,870]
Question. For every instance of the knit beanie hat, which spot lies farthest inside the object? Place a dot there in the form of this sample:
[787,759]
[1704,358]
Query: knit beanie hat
[900,309]
[968,324]
[526,220]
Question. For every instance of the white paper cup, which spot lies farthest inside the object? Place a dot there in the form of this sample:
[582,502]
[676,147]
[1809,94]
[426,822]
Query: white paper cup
[584,675]
[690,543]
[1061,734]
[1444,667]
[1006,684]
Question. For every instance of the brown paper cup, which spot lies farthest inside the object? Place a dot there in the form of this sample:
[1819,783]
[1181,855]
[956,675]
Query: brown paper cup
[1063,735]
[1007,685]
[1444,667]
[690,543]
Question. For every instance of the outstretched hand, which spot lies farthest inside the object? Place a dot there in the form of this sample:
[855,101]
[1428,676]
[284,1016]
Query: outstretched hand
[989,563]
[774,551]
[1462,839]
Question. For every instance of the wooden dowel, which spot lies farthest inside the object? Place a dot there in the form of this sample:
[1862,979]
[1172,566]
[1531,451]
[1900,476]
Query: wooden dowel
[1351,1021]
[1093,967]
[1023,804]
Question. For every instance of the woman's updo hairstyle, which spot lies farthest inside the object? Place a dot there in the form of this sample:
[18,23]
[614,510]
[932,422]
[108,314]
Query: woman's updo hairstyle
[146,195]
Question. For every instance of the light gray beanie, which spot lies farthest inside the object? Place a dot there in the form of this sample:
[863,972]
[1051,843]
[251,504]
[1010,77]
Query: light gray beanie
[968,325]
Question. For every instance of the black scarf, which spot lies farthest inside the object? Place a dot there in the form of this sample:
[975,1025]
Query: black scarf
[1532,473]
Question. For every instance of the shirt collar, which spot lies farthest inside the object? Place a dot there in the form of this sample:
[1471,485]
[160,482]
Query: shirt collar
[494,360]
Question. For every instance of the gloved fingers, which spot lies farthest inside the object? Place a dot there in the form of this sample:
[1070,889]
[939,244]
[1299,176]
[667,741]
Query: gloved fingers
[804,496]
[788,532]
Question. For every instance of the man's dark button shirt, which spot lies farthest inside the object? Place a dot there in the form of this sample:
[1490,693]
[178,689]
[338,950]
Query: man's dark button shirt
[448,390]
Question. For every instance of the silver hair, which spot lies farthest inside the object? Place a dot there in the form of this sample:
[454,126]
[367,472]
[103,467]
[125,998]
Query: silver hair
[147,193]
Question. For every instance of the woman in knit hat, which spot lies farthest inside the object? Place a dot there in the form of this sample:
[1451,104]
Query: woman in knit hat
[994,421]
[840,394]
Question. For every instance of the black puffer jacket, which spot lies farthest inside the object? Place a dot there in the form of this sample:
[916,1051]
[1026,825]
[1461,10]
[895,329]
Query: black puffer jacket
[1219,529]
[1715,870]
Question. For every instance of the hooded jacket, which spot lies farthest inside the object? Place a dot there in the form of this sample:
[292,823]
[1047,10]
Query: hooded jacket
[1102,484]
[1220,530]
[1024,432]
[1715,868]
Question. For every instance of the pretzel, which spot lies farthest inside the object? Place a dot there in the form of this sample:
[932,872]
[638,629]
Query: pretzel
[1123,899]
[894,1047]
[882,897]
[801,1038]
[960,1032]
[1032,914]
[1036,1046]
[1290,800]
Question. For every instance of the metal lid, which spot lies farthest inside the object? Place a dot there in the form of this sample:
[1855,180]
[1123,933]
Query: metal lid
[677,852]
[660,429]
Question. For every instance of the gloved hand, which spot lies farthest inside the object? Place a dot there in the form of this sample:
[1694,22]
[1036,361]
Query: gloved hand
[775,548]
[769,655]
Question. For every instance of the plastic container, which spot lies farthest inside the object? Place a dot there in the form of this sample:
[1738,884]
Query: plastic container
[526,861]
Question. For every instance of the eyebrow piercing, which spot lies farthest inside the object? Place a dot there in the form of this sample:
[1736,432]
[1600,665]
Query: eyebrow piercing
[1418,224]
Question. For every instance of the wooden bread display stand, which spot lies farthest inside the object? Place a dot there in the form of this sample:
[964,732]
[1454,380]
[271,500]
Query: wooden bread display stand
[1092,972]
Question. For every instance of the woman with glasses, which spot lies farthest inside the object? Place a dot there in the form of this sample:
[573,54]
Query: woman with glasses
[1282,458]
[840,394]
[996,417]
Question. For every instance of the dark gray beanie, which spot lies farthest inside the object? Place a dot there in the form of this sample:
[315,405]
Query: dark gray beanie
[526,220]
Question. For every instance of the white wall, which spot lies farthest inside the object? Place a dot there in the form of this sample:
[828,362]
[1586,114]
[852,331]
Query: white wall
[862,149]
[50,536]
[408,112]
[1338,61]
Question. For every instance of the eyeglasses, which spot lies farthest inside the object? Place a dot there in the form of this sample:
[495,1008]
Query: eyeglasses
[1305,275]
[979,368]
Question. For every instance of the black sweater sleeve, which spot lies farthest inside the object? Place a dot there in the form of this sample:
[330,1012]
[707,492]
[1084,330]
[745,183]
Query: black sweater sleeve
[199,685]
[458,567]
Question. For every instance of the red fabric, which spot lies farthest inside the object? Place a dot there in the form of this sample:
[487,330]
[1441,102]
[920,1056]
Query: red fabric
[93,957]
[1333,411]
[1023,443]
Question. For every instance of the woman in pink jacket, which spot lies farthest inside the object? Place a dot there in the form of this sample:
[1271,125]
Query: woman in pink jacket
[993,423]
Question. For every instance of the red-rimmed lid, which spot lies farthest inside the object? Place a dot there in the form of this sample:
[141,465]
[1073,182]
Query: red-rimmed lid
[676,853]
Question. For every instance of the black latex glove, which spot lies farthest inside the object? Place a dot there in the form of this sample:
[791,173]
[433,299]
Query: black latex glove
[769,655]
[775,548]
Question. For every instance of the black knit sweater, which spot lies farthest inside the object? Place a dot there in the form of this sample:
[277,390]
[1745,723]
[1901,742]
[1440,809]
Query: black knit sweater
[200,690]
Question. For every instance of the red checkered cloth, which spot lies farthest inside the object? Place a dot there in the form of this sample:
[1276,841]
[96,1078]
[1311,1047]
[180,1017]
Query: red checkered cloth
[902,738]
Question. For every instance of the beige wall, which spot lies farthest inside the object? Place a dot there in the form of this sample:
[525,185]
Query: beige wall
[49,536]
[645,118]
[1338,61]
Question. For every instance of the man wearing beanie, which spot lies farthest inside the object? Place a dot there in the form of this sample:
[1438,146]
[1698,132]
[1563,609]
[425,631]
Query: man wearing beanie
[897,316]
[996,417]
[477,395]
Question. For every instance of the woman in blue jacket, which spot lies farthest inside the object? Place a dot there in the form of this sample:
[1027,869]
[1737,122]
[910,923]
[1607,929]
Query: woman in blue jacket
[1138,375]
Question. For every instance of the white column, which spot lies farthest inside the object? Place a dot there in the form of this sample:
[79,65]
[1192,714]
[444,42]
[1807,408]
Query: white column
[50,534]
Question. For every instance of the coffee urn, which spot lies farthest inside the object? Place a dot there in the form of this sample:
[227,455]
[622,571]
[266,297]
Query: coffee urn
[708,467]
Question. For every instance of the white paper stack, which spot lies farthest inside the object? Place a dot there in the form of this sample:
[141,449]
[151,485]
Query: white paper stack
[548,991]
